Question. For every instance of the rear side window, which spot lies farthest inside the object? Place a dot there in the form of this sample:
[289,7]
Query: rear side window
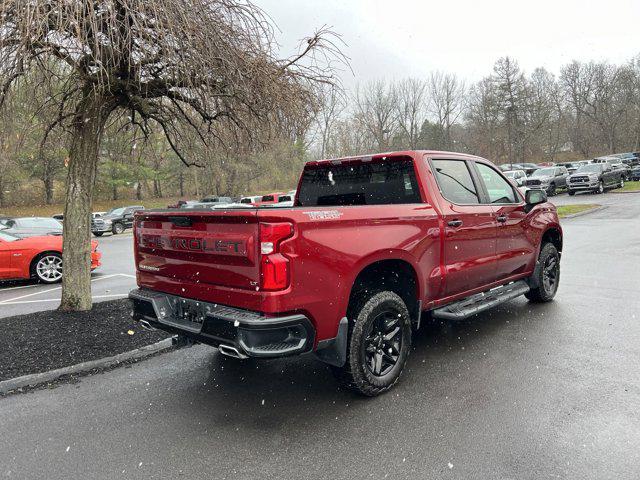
[455,182]
[368,183]
[499,190]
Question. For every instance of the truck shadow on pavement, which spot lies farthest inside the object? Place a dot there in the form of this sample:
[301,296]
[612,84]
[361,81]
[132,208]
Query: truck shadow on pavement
[275,395]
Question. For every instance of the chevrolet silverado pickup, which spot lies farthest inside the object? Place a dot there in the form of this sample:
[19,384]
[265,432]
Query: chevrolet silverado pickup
[372,245]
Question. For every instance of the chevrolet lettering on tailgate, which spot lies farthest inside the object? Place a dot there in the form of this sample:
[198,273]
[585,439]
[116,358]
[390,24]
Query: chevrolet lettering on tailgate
[191,244]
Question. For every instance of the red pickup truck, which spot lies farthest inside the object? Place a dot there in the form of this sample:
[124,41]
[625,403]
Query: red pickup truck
[372,245]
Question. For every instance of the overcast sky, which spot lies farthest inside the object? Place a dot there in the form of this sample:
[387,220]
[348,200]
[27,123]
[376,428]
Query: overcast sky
[397,38]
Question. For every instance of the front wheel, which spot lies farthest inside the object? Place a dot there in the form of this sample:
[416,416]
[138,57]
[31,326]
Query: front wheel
[571,193]
[621,183]
[48,268]
[98,234]
[379,344]
[117,228]
[546,276]
[552,190]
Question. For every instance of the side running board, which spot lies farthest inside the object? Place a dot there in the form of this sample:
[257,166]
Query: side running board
[481,301]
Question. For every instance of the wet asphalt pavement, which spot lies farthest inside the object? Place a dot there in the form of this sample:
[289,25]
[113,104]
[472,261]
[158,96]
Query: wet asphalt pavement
[521,392]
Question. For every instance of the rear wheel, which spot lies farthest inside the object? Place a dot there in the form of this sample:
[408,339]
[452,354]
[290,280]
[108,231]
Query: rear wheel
[379,344]
[546,275]
[48,268]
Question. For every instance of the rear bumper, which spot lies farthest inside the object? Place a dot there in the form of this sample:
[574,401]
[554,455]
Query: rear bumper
[249,333]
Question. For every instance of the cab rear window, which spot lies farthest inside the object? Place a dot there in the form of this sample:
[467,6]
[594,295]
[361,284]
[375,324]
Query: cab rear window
[391,181]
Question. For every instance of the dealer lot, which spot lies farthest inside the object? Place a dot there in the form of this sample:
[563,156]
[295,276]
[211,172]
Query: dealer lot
[524,391]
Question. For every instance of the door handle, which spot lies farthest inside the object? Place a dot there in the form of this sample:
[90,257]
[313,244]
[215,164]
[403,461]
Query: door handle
[455,223]
[501,218]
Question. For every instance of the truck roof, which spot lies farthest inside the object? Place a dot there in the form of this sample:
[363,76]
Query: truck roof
[400,153]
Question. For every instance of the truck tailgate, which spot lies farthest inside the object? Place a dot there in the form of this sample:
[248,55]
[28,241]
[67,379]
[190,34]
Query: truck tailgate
[215,248]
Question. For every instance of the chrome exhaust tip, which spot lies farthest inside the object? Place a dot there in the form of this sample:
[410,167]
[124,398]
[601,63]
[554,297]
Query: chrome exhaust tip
[230,351]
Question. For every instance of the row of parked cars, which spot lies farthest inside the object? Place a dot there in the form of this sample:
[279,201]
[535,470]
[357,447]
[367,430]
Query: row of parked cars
[596,175]
[275,199]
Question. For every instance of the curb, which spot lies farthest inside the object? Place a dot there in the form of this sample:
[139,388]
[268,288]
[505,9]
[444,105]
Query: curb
[586,212]
[625,192]
[7,386]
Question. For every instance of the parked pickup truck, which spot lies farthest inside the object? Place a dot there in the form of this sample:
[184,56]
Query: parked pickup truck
[372,245]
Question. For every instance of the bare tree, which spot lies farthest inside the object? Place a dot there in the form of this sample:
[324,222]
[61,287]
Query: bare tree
[375,108]
[447,94]
[332,105]
[411,107]
[176,63]
[483,119]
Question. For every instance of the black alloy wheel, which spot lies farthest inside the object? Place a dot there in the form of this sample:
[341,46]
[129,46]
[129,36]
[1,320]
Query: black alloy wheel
[383,343]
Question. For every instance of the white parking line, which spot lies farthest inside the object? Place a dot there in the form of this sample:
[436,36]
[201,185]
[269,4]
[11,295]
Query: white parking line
[22,302]
[8,300]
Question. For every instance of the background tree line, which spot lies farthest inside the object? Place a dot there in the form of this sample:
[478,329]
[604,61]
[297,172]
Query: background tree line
[510,115]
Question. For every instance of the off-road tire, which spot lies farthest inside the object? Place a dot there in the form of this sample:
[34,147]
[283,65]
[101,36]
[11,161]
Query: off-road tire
[543,292]
[356,374]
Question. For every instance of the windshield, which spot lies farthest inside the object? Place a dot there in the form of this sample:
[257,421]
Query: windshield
[510,174]
[590,168]
[544,172]
[7,237]
[116,211]
[35,222]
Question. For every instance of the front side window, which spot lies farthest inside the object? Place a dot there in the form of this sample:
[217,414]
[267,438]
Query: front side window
[455,182]
[499,189]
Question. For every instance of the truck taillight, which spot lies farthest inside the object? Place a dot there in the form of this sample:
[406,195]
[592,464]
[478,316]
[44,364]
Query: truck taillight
[274,267]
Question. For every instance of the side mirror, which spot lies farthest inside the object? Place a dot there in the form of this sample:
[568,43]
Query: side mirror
[534,197]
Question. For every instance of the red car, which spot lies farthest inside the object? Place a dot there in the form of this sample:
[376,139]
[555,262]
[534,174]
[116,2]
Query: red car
[273,198]
[36,257]
[371,245]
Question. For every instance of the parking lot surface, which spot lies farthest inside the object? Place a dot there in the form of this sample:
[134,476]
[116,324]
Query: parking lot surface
[521,392]
[114,279]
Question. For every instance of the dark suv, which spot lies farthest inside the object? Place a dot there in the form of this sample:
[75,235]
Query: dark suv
[595,177]
[116,220]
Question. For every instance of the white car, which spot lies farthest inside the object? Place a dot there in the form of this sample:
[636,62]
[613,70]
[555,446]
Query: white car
[518,176]
[251,199]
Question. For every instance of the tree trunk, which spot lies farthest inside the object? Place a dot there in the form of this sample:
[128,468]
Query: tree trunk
[48,188]
[91,116]
[181,182]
